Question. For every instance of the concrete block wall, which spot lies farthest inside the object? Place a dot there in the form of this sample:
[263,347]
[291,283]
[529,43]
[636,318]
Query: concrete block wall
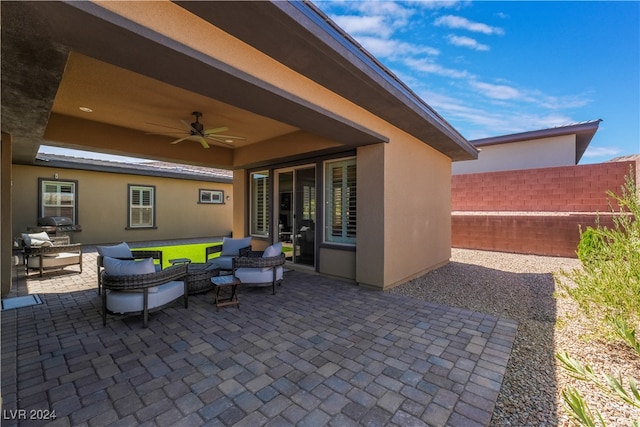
[534,211]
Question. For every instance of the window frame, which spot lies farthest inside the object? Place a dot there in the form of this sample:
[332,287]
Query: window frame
[141,187]
[41,198]
[263,217]
[348,210]
[216,197]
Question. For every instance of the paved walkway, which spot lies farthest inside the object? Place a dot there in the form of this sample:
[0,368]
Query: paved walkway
[320,352]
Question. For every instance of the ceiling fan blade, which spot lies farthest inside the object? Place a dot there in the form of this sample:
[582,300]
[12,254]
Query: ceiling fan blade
[220,141]
[188,126]
[203,143]
[216,130]
[180,140]
[217,135]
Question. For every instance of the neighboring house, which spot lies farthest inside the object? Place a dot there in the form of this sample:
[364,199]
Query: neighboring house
[115,202]
[336,153]
[557,146]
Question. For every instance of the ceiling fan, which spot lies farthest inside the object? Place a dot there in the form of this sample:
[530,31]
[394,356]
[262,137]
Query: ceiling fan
[196,129]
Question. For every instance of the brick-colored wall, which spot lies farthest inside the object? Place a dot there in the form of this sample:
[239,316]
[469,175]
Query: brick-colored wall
[560,189]
[548,206]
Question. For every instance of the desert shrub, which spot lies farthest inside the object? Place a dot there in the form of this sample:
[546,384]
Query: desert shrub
[607,287]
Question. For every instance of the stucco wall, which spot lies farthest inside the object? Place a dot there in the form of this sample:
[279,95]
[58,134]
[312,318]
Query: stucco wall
[539,153]
[102,206]
[417,209]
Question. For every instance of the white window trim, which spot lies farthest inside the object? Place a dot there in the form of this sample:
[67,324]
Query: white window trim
[327,238]
[130,217]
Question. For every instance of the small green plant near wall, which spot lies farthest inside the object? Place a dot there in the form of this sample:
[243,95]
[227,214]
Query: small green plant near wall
[607,290]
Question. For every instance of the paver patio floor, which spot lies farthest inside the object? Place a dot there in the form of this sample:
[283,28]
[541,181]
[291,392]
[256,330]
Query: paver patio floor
[320,352]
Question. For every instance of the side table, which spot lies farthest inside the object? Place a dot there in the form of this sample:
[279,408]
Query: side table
[227,281]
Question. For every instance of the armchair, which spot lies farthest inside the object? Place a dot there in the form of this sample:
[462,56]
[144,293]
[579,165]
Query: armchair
[261,267]
[42,252]
[228,249]
[134,287]
[123,252]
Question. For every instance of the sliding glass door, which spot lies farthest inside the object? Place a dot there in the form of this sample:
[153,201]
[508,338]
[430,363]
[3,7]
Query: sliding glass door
[296,213]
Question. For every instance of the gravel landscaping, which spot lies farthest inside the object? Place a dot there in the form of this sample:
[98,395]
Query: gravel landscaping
[522,287]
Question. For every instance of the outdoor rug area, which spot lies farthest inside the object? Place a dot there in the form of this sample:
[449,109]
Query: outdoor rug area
[319,352]
[18,302]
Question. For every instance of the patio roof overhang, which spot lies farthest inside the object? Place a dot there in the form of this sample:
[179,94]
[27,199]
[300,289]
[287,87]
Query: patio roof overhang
[57,55]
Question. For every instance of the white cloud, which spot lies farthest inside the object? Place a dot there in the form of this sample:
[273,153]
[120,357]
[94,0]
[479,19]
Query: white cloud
[369,25]
[388,48]
[459,22]
[594,151]
[429,66]
[463,41]
[496,91]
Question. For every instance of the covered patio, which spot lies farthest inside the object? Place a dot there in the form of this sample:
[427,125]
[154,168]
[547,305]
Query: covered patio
[320,352]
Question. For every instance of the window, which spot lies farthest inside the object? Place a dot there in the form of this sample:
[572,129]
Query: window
[141,206]
[340,199]
[211,196]
[260,203]
[58,198]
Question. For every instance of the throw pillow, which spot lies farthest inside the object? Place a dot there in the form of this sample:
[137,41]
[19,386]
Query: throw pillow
[231,247]
[118,267]
[120,250]
[36,239]
[273,250]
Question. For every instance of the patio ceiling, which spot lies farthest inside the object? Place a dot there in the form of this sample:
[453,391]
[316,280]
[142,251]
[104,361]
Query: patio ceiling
[58,57]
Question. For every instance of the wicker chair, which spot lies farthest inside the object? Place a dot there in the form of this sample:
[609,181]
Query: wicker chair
[143,293]
[135,254]
[227,250]
[253,268]
[61,254]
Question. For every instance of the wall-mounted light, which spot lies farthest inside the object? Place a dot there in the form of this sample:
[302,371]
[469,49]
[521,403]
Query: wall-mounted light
[55,176]
[228,197]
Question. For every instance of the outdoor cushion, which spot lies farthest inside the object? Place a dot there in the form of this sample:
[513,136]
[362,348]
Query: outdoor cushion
[36,239]
[117,267]
[121,250]
[231,247]
[128,302]
[273,250]
[258,275]
[60,259]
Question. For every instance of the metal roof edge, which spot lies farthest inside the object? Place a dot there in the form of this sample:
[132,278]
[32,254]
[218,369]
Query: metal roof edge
[582,127]
[54,161]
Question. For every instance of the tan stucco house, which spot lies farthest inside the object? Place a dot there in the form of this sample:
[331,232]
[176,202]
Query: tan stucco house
[112,202]
[327,147]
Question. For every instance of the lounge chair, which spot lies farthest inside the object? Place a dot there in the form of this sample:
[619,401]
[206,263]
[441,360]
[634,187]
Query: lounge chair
[228,249]
[122,251]
[134,287]
[261,267]
[42,252]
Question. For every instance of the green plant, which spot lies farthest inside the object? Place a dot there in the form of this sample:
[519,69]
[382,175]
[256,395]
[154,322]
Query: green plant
[607,287]
[611,385]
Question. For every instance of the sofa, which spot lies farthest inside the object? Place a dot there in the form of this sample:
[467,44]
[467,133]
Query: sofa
[43,252]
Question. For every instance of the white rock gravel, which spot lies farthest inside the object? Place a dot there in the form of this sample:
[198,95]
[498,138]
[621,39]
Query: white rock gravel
[522,287]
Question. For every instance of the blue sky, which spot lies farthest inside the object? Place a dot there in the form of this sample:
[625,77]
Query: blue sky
[496,68]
